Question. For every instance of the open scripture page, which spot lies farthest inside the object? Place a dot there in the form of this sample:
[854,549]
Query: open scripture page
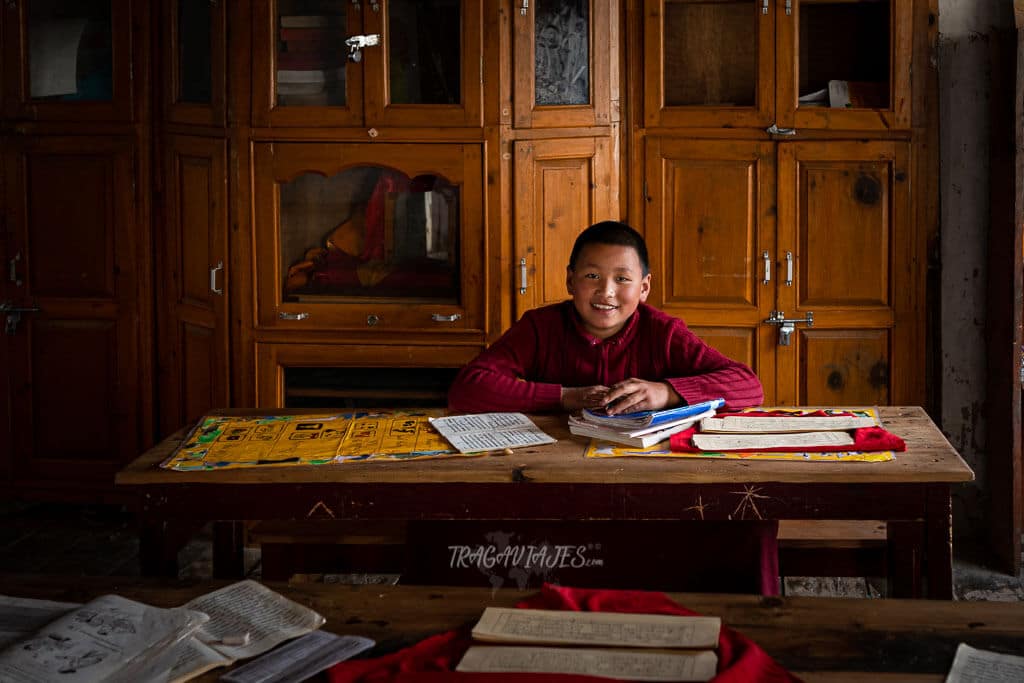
[622,665]
[500,624]
[739,442]
[981,666]
[766,425]
[490,431]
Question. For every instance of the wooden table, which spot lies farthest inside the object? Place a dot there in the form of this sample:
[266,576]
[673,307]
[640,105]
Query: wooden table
[823,640]
[555,482]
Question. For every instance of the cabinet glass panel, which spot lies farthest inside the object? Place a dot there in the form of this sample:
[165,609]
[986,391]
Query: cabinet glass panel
[710,53]
[562,44]
[844,54]
[378,387]
[424,44]
[194,77]
[311,53]
[69,50]
[370,233]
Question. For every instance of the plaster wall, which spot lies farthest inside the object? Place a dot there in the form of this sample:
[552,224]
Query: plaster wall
[963,54]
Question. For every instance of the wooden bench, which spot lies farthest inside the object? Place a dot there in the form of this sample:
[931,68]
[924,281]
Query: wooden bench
[832,547]
[323,546]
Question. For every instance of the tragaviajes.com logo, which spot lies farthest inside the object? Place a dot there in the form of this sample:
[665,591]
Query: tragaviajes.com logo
[499,558]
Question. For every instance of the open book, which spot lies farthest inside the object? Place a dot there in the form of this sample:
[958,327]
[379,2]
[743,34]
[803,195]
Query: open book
[651,418]
[630,646]
[115,639]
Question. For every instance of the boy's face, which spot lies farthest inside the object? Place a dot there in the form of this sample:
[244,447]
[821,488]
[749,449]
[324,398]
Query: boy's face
[607,286]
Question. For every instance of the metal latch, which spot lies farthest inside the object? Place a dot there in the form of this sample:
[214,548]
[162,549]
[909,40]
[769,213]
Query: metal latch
[357,43]
[12,315]
[788,325]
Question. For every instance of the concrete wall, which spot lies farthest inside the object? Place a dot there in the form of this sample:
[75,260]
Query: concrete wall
[965,97]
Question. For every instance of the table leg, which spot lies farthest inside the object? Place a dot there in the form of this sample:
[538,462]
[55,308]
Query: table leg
[905,548]
[228,550]
[939,543]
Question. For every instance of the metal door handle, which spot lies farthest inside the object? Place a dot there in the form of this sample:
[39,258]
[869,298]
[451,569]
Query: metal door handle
[789,269]
[439,318]
[522,275]
[767,267]
[284,315]
[12,268]
[213,278]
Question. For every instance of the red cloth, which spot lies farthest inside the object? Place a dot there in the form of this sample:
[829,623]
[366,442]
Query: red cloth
[740,660]
[548,348]
[864,439]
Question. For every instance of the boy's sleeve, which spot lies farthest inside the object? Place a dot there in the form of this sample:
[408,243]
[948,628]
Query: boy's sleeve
[699,372]
[495,381]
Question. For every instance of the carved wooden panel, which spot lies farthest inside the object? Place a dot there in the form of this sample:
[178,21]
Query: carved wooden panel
[844,367]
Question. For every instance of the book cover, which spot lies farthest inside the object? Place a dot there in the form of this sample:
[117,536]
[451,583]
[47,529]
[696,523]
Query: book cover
[650,418]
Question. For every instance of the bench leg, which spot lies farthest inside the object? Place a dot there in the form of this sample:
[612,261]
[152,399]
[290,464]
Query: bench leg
[228,550]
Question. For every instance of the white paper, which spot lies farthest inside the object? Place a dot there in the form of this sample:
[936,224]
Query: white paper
[972,665]
[778,425]
[107,639]
[490,431]
[21,617]
[250,611]
[620,664]
[736,442]
[53,57]
[501,624]
[299,659]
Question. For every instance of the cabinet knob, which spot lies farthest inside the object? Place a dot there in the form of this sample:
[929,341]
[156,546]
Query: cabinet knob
[372,320]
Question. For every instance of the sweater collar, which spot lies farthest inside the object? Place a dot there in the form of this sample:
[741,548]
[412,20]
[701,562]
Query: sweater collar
[623,336]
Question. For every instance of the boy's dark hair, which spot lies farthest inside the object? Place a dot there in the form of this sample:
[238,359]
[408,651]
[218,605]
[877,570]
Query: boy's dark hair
[611,232]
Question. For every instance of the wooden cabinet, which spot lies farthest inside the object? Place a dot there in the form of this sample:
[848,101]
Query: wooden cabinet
[792,64]
[374,63]
[193,78]
[69,61]
[378,237]
[77,357]
[194,372]
[563,186]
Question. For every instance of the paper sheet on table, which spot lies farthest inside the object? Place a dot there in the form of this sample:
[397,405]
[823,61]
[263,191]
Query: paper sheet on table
[490,431]
[53,57]
[620,664]
[735,442]
[982,666]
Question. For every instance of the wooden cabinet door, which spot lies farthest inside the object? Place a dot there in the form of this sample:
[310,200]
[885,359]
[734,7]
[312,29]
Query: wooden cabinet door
[708,64]
[863,46]
[78,370]
[194,61]
[710,223]
[561,187]
[193,288]
[350,220]
[563,54]
[857,268]
[70,61]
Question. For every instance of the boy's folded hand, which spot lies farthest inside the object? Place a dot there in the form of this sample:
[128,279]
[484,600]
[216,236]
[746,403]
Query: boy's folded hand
[577,398]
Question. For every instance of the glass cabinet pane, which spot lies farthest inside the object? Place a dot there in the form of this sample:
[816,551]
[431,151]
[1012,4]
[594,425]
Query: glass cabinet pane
[711,53]
[424,43]
[69,50]
[845,53]
[369,232]
[562,45]
[311,53]
[194,63]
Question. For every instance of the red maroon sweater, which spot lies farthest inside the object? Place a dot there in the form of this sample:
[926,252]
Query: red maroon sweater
[549,348]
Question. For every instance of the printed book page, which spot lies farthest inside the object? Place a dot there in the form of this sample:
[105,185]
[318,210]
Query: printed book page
[500,624]
[108,639]
[247,619]
[490,431]
[300,659]
[769,425]
[736,442]
[982,666]
[620,664]
[21,617]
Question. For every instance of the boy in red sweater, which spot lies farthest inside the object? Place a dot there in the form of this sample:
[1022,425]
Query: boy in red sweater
[606,347]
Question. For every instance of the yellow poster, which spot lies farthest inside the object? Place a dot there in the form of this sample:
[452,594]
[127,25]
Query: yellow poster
[605,449]
[222,442]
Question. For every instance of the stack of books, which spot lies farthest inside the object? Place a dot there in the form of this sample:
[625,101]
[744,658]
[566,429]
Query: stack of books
[311,59]
[737,433]
[641,429]
[652,647]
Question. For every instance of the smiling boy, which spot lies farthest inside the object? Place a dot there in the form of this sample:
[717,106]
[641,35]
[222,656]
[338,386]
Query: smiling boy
[605,347]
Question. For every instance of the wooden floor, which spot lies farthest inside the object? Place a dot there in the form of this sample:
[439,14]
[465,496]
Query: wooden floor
[75,540]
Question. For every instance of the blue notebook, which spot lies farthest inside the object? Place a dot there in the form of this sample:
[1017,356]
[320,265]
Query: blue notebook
[651,418]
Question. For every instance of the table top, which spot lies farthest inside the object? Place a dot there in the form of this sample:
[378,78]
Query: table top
[823,640]
[929,458]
